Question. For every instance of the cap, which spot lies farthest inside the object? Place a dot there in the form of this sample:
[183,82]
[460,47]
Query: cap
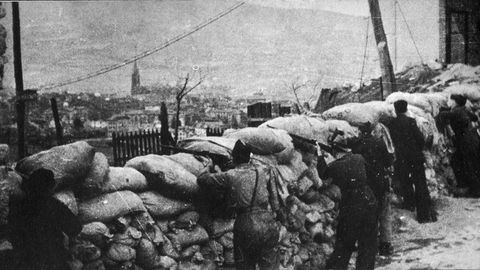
[241,151]
[400,106]
[459,99]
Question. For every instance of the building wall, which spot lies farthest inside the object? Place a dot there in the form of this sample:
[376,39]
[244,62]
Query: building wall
[472,9]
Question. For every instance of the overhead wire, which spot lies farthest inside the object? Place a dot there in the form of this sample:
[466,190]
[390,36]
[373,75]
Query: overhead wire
[409,31]
[145,53]
[365,51]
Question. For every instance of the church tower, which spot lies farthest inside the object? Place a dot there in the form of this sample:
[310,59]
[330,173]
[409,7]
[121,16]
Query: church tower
[135,79]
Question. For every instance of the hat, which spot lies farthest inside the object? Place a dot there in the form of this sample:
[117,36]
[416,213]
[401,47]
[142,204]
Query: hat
[241,151]
[459,99]
[366,127]
[39,181]
[400,106]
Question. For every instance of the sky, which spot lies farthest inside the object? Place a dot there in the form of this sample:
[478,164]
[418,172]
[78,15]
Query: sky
[264,45]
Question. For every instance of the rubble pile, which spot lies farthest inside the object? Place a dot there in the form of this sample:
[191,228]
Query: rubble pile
[146,215]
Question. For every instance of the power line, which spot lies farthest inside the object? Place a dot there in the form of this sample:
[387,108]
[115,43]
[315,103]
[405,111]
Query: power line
[409,30]
[365,51]
[146,53]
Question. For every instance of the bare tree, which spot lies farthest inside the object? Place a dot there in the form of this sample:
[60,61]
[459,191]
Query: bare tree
[310,96]
[183,89]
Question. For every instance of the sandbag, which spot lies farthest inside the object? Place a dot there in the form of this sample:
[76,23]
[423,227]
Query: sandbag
[97,175]
[154,234]
[124,178]
[142,220]
[213,144]
[149,258]
[169,250]
[195,164]
[301,125]
[165,175]
[187,220]
[263,141]
[416,99]
[470,91]
[120,253]
[70,163]
[85,251]
[349,131]
[160,206]
[11,183]
[109,206]
[130,237]
[297,166]
[185,238]
[189,252]
[354,113]
[95,232]
[67,197]
[226,240]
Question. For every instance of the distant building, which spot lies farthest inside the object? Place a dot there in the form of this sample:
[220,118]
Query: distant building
[258,113]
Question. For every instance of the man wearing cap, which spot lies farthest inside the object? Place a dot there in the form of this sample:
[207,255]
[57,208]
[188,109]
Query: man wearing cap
[378,162]
[251,190]
[357,220]
[38,224]
[409,168]
[466,159]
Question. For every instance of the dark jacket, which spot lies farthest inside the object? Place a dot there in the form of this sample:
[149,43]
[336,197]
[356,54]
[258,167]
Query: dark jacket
[407,138]
[461,122]
[377,159]
[37,226]
[239,184]
[349,174]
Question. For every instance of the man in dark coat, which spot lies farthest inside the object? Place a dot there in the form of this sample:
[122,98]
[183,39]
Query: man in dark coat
[357,220]
[38,224]
[250,190]
[378,162]
[409,164]
[466,159]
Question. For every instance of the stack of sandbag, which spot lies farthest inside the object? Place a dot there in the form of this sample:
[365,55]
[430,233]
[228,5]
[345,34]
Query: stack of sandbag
[146,215]
[422,107]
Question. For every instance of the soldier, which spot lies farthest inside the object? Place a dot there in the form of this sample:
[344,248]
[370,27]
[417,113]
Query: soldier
[409,168]
[378,162]
[466,158]
[38,224]
[357,220]
[250,191]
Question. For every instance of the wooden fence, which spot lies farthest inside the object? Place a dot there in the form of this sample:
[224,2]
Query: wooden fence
[127,145]
[215,131]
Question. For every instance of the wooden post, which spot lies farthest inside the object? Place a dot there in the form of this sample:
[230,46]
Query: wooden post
[56,119]
[164,133]
[17,63]
[382,47]
[381,89]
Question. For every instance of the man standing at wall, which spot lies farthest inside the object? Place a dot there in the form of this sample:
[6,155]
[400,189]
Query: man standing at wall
[409,167]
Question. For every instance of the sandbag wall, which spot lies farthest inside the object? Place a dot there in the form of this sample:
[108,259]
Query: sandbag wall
[142,216]
[423,107]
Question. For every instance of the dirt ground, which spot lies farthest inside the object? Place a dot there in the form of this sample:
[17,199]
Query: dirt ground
[453,242]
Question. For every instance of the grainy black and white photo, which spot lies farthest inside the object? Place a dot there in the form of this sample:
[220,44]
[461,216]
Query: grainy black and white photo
[240,135]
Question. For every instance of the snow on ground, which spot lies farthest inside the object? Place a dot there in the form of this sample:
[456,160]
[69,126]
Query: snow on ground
[453,242]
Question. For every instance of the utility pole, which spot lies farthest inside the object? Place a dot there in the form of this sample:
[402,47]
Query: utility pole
[388,76]
[17,62]
[395,31]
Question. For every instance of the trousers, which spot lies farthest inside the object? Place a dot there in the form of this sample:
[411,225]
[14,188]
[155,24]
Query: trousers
[256,236]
